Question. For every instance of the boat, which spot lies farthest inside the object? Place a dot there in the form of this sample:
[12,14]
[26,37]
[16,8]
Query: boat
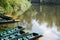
[17,32]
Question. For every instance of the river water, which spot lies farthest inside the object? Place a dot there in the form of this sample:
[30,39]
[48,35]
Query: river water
[42,18]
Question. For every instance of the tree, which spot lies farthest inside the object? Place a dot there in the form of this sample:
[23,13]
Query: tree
[14,6]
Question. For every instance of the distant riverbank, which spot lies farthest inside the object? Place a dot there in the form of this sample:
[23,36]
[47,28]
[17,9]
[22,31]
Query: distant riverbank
[45,3]
[49,3]
[35,3]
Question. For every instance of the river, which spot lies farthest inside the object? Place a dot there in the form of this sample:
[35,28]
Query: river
[42,18]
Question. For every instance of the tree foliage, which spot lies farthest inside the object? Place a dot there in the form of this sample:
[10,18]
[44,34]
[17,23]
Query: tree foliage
[13,6]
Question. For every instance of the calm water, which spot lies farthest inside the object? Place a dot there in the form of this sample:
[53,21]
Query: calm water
[44,19]
[41,18]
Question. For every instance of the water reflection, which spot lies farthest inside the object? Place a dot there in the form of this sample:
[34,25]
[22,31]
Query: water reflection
[51,15]
[49,33]
[44,19]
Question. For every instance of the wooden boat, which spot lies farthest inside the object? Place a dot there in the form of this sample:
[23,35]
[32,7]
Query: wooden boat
[17,32]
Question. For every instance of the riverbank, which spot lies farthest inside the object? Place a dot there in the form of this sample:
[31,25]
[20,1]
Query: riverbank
[45,3]
[49,3]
